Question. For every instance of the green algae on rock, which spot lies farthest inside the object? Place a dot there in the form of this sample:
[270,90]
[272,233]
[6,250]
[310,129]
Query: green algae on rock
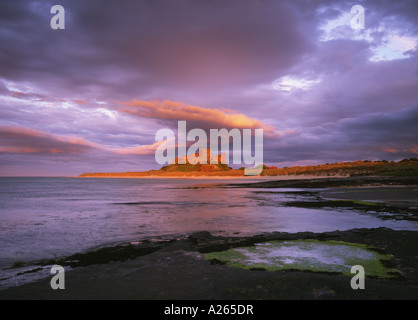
[307,255]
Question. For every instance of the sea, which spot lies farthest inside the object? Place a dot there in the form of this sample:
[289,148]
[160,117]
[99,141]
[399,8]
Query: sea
[51,218]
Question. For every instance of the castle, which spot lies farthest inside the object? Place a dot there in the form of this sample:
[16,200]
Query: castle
[203,157]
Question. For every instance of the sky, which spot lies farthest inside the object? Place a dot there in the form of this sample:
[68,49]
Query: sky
[91,97]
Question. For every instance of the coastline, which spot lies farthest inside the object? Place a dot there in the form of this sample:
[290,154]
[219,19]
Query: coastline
[214,177]
[174,269]
[405,167]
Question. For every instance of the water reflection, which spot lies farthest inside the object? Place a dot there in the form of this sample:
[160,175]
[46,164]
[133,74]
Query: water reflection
[48,217]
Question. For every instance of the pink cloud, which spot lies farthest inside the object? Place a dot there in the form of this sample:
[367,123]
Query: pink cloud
[201,117]
[142,150]
[26,140]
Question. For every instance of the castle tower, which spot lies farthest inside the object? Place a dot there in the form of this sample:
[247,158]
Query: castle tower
[202,155]
[209,155]
[223,157]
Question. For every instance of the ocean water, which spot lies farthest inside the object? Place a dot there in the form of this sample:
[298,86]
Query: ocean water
[43,218]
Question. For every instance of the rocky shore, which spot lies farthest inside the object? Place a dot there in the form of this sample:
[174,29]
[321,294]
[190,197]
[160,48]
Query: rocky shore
[332,182]
[176,269]
[179,268]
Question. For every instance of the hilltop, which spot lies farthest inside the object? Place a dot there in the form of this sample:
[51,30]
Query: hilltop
[405,167]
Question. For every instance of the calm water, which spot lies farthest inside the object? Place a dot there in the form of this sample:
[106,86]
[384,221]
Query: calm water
[54,217]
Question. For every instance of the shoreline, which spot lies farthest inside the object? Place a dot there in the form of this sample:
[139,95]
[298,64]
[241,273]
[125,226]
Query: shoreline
[176,270]
[213,177]
[333,182]
[405,167]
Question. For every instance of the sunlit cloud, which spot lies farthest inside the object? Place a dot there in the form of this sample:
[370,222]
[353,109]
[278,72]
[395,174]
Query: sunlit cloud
[289,83]
[387,40]
[174,111]
[110,113]
[140,150]
[394,47]
[336,28]
[414,150]
[26,140]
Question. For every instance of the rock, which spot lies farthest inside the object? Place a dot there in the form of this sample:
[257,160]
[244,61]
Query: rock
[324,293]
[200,236]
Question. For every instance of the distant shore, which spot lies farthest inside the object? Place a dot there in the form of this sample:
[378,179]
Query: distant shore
[405,167]
[214,177]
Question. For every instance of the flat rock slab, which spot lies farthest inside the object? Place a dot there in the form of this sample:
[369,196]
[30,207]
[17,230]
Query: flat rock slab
[179,271]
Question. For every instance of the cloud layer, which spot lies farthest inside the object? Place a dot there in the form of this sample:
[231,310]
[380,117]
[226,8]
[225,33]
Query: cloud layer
[197,117]
[95,94]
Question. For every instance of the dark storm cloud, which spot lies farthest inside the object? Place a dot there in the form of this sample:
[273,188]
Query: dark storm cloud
[386,130]
[131,46]
[390,136]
